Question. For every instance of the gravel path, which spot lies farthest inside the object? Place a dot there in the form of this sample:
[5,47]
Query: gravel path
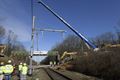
[39,74]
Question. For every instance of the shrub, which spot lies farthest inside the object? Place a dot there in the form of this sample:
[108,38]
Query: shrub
[102,64]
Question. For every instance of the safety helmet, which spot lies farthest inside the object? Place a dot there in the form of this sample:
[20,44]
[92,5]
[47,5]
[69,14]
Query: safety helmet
[9,61]
[21,63]
[2,63]
[24,64]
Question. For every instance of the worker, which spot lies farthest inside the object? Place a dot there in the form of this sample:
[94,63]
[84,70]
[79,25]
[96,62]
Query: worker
[24,71]
[51,63]
[54,63]
[2,70]
[8,70]
[19,69]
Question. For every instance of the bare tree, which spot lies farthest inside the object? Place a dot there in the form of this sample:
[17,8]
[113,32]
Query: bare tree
[118,35]
[11,40]
[117,28]
[2,33]
[71,43]
[104,39]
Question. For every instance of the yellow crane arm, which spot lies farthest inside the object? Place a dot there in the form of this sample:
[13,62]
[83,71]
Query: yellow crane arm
[66,53]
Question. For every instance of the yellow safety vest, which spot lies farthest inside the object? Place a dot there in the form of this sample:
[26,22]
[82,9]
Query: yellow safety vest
[54,62]
[24,70]
[2,68]
[8,69]
[51,63]
[20,67]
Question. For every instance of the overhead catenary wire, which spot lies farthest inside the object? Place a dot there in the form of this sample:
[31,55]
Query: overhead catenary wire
[50,30]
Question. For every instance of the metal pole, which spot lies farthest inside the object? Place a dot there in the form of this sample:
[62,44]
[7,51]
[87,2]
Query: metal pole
[37,41]
[30,66]
[68,25]
[32,47]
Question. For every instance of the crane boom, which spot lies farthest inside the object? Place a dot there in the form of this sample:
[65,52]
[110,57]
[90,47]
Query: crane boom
[69,26]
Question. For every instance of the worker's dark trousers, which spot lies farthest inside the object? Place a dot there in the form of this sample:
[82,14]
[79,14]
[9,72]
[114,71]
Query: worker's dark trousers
[7,76]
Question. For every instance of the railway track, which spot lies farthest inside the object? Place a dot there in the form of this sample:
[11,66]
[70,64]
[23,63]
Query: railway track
[55,75]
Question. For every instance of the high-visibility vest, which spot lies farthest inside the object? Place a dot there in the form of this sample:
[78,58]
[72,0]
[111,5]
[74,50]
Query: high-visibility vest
[24,70]
[54,62]
[8,69]
[20,67]
[2,68]
[51,63]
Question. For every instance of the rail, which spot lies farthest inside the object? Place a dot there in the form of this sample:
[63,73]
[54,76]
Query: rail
[55,75]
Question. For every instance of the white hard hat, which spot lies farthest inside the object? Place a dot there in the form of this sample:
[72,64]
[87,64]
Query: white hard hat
[9,61]
[21,63]
[2,63]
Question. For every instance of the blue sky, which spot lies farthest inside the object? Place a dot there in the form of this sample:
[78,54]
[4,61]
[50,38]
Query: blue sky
[89,17]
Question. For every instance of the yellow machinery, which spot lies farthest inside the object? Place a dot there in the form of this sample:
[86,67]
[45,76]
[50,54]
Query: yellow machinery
[67,54]
[113,46]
